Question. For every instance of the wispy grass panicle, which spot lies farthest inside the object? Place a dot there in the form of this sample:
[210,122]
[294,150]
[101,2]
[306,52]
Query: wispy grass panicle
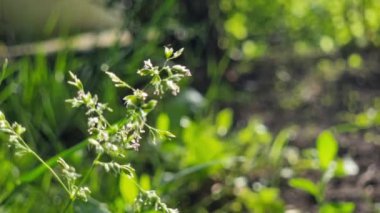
[116,140]
[113,140]
[21,147]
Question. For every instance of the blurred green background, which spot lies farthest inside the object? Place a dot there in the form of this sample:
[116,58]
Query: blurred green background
[268,78]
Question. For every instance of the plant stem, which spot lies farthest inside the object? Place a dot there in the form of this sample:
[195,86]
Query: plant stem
[43,163]
[90,170]
[35,173]
[72,199]
[51,170]
[68,204]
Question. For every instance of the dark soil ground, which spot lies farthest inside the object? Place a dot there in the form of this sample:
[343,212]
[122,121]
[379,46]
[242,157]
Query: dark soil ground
[292,90]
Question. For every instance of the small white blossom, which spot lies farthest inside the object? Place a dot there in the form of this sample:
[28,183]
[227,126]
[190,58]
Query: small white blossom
[182,69]
[148,64]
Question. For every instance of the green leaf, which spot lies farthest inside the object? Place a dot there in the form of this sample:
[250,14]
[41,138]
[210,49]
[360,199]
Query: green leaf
[165,134]
[149,106]
[343,207]
[279,143]
[3,70]
[163,121]
[128,189]
[327,148]
[305,185]
[145,182]
[340,170]
[224,121]
[208,147]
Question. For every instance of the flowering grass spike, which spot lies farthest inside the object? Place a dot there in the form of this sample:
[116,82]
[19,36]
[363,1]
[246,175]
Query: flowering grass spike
[112,141]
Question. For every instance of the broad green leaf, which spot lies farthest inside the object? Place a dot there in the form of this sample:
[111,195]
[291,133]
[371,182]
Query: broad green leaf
[202,144]
[305,185]
[327,148]
[343,207]
[163,121]
[128,189]
[145,182]
[224,121]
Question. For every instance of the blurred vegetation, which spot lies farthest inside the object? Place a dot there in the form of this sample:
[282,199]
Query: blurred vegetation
[43,18]
[282,111]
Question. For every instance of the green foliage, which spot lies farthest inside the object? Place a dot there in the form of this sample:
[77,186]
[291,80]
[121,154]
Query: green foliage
[287,58]
[208,146]
[224,121]
[305,26]
[3,70]
[106,139]
[279,144]
[265,200]
[128,189]
[327,148]
[330,167]
[344,207]
[305,185]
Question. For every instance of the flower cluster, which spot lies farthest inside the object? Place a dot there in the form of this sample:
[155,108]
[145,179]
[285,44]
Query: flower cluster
[166,77]
[14,131]
[115,140]
[70,175]
[151,199]
[97,124]
[116,168]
